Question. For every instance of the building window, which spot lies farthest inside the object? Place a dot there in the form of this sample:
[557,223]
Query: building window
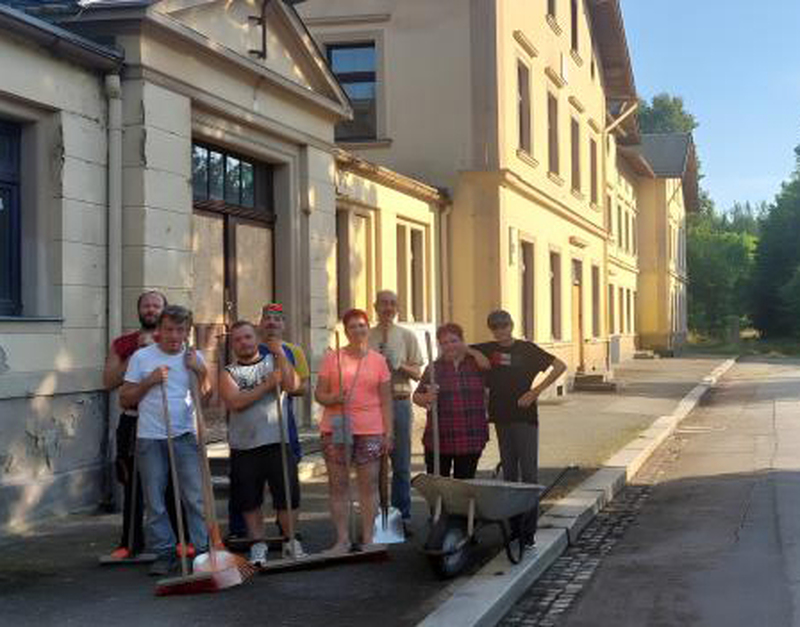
[575,133]
[574,23]
[10,220]
[627,232]
[593,170]
[412,274]
[612,323]
[595,301]
[524,107]
[355,67]
[551,8]
[552,133]
[609,214]
[527,297]
[628,311]
[228,182]
[620,241]
[555,296]
[593,69]
[634,236]
[622,310]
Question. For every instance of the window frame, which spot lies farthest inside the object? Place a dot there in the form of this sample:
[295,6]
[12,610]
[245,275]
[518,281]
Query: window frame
[574,34]
[10,179]
[263,209]
[356,77]
[593,174]
[556,296]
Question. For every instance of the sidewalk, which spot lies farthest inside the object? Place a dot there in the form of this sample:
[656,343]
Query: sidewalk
[50,576]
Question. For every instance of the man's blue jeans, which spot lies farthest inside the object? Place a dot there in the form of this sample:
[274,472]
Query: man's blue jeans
[155,472]
[401,456]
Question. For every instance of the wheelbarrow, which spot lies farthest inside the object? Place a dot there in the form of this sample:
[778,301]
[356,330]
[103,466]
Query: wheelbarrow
[462,507]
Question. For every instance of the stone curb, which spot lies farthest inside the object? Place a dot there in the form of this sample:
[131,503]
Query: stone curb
[483,599]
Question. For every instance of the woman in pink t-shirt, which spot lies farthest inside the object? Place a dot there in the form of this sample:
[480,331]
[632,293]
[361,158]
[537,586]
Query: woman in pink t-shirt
[367,401]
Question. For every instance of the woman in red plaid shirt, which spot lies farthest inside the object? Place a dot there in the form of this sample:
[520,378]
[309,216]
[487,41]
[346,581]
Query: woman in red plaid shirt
[459,393]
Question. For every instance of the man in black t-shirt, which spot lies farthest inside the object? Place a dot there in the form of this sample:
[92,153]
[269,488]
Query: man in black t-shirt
[512,396]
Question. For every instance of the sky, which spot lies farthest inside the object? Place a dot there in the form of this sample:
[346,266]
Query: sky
[736,63]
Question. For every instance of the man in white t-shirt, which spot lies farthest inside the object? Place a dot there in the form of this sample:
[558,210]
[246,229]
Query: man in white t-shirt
[171,365]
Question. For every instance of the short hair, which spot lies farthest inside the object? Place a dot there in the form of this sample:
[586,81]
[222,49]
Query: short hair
[450,328]
[384,293]
[176,313]
[148,293]
[499,318]
[351,314]
[242,323]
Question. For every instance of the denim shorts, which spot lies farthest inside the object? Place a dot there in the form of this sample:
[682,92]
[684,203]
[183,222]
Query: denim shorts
[365,449]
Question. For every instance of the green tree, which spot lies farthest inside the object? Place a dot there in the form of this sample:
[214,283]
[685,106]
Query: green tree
[665,114]
[776,284]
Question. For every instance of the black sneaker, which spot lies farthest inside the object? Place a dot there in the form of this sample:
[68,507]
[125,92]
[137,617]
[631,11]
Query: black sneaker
[165,563]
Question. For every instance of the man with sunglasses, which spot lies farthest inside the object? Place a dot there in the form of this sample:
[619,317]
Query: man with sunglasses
[513,399]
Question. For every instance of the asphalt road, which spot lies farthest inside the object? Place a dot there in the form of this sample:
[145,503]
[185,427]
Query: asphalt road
[717,542]
[50,576]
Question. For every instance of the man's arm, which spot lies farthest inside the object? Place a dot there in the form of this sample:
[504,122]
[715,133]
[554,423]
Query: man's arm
[557,368]
[236,399]
[412,367]
[130,394]
[114,370]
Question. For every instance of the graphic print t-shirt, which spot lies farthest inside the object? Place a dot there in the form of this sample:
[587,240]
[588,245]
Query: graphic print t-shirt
[513,370]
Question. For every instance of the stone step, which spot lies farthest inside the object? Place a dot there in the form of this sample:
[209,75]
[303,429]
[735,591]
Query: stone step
[645,355]
[601,386]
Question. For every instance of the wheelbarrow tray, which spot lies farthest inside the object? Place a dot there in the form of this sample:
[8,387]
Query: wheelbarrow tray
[493,500]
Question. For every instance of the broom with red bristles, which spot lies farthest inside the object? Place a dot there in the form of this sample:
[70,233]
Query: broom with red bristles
[217,569]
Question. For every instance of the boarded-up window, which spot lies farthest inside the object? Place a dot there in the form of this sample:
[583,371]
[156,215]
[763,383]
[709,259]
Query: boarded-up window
[355,260]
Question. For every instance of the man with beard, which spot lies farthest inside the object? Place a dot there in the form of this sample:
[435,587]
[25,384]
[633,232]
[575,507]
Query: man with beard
[149,307]
[248,387]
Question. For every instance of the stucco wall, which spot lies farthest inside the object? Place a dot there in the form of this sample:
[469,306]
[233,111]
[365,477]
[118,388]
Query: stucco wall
[51,420]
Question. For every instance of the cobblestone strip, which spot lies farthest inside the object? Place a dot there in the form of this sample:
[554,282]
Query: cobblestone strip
[553,594]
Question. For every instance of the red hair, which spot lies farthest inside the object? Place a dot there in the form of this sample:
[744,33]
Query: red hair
[450,328]
[351,314]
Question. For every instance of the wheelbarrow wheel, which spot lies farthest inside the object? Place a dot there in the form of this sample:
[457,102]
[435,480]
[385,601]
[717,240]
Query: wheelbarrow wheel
[449,539]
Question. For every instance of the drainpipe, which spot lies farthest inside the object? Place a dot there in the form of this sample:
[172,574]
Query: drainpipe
[445,304]
[114,95]
[114,257]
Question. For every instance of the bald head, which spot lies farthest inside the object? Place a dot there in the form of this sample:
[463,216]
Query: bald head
[386,306]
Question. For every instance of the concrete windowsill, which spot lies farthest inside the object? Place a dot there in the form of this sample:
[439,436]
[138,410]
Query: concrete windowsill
[555,178]
[527,157]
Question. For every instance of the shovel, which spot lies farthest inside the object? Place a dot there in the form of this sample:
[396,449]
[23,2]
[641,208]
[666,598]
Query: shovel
[389,521]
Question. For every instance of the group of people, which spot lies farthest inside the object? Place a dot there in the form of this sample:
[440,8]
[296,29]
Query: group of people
[366,390]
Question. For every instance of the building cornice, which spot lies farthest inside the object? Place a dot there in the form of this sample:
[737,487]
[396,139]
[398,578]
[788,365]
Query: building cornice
[348,162]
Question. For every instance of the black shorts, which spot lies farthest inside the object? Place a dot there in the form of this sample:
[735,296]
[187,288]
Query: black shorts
[252,468]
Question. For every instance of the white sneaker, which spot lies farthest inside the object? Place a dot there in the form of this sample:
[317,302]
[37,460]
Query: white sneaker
[258,554]
[298,549]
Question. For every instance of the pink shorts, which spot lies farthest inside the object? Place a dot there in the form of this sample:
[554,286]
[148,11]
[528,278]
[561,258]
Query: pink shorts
[365,449]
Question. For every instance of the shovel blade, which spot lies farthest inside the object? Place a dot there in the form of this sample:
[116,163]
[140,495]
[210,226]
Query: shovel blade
[389,527]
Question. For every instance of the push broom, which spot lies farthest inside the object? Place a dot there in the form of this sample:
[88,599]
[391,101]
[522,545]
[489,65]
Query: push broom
[218,569]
